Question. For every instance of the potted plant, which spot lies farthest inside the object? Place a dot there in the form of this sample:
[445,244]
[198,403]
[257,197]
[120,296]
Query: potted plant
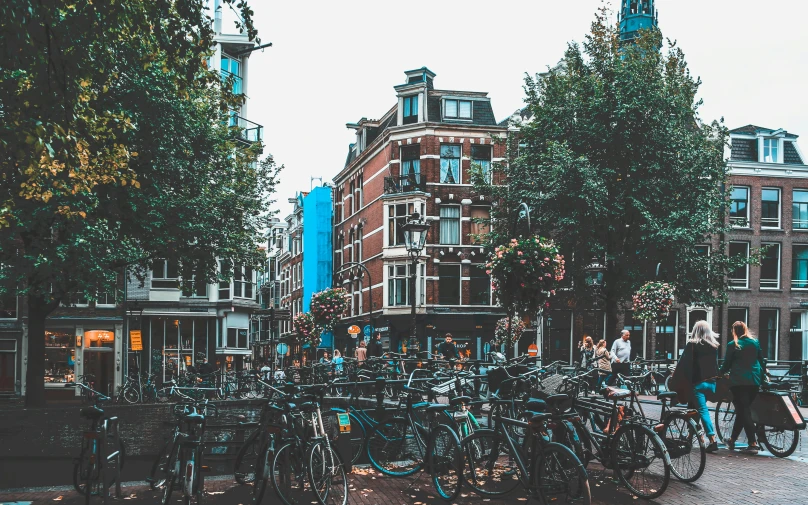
[653,301]
[308,332]
[508,331]
[328,306]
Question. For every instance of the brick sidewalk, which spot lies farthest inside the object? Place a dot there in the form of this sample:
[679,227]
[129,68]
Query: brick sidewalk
[729,479]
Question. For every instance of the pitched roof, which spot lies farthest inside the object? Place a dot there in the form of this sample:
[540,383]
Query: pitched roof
[790,154]
[751,129]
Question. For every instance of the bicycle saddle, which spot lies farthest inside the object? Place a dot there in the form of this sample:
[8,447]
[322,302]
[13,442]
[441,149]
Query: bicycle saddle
[93,413]
[308,407]
[194,417]
[458,400]
[535,405]
[613,393]
[541,417]
[555,401]
[436,407]
[667,395]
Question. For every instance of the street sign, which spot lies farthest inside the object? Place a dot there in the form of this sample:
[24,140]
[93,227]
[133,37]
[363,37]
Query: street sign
[282,349]
[135,340]
[354,330]
[366,330]
[532,350]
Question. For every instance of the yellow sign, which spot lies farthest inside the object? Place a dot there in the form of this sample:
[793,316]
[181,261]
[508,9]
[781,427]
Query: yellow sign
[135,341]
[354,330]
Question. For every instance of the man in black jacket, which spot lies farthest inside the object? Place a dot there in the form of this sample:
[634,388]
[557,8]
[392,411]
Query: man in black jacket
[447,349]
[376,347]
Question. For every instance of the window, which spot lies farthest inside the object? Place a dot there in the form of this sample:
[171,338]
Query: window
[237,337]
[8,305]
[736,314]
[768,334]
[105,298]
[397,216]
[799,208]
[799,266]
[448,284]
[770,147]
[224,285]
[739,206]
[398,284]
[231,67]
[480,286]
[740,277]
[457,109]
[450,225]
[479,228]
[770,267]
[481,157]
[770,208]
[353,197]
[358,245]
[351,244]
[450,164]
[410,109]
[359,194]
[411,164]
[164,274]
[243,282]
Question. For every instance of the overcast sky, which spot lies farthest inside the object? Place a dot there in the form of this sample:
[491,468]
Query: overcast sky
[334,62]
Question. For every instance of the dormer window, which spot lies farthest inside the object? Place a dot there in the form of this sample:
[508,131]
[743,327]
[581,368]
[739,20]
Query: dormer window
[457,109]
[770,149]
[410,109]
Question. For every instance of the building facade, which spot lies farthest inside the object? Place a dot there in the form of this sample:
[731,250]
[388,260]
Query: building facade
[417,157]
[769,179]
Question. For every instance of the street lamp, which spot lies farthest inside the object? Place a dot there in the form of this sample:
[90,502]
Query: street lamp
[415,232]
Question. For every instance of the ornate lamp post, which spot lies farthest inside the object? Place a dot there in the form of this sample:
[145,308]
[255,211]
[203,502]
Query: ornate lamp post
[415,232]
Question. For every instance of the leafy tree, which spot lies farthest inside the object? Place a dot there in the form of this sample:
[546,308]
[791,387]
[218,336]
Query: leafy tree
[616,165]
[116,150]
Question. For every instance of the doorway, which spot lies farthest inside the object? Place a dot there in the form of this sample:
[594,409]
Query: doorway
[100,362]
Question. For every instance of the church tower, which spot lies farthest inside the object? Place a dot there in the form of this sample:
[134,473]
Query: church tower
[636,15]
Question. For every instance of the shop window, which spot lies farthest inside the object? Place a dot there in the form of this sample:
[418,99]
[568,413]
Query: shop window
[60,356]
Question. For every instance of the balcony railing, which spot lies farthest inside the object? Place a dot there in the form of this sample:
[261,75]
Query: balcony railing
[404,184]
[249,132]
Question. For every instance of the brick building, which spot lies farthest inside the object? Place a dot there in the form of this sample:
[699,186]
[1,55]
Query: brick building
[417,158]
[769,176]
[290,264]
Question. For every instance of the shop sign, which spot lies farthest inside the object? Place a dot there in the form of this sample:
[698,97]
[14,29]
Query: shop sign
[135,340]
[354,330]
[382,329]
[282,349]
[366,330]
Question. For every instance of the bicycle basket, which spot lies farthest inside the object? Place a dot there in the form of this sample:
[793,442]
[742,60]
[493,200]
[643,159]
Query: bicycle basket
[497,375]
[551,385]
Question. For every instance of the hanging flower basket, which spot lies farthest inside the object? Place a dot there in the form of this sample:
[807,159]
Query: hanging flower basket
[653,301]
[328,306]
[308,332]
[508,336]
[525,274]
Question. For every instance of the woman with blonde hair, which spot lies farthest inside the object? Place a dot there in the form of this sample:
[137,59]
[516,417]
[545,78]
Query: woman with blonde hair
[702,351]
[603,362]
[745,365]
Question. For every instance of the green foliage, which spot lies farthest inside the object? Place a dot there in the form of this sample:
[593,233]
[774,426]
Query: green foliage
[652,302]
[615,163]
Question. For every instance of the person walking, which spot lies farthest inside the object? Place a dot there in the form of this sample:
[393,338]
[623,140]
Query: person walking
[603,362]
[361,353]
[744,363]
[694,377]
[338,361]
[621,356]
[587,352]
[376,347]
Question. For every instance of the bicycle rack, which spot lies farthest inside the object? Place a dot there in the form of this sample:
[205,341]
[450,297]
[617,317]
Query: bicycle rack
[112,464]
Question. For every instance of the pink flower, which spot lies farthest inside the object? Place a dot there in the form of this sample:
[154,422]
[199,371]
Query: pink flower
[523,261]
[519,253]
[488,272]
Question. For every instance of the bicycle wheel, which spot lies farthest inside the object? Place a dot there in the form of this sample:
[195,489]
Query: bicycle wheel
[159,469]
[640,460]
[779,441]
[327,475]
[685,447]
[244,468]
[82,468]
[288,473]
[263,472]
[172,475]
[559,476]
[489,468]
[130,395]
[445,462]
[724,420]
[393,448]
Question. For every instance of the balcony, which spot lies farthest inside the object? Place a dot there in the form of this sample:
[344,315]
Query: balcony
[249,132]
[404,184]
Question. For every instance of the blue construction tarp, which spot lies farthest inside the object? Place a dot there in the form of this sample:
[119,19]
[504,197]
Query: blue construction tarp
[317,248]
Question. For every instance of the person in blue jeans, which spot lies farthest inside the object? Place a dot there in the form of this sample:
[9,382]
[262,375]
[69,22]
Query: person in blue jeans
[702,351]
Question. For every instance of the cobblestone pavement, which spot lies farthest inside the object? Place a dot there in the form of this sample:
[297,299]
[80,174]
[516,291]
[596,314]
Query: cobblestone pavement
[729,479]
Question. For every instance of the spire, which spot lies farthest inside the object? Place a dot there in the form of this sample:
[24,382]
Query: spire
[636,15]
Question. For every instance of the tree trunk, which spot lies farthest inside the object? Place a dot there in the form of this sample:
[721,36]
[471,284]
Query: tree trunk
[35,373]
[613,321]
